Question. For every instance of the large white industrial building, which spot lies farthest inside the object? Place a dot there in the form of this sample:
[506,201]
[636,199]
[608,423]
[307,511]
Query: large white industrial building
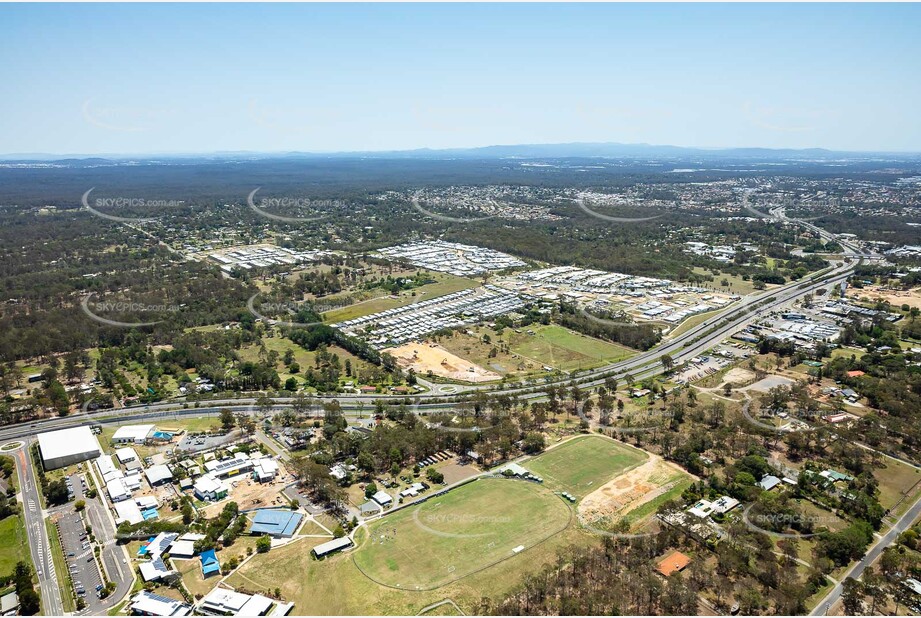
[66,447]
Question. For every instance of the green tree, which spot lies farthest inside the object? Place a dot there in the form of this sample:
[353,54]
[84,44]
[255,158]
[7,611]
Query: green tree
[263,544]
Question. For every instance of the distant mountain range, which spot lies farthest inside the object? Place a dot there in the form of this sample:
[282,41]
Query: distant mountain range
[611,150]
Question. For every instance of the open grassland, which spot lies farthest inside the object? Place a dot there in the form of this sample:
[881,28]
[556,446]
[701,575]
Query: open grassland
[899,485]
[302,357]
[444,284]
[737,285]
[691,322]
[583,464]
[847,352]
[463,531]
[13,541]
[564,349]
[528,353]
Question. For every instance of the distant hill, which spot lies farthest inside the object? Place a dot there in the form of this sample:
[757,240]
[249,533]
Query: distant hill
[514,151]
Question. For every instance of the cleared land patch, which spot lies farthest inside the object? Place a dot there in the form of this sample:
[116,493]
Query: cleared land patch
[461,532]
[564,349]
[634,495]
[582,465]
[425,357]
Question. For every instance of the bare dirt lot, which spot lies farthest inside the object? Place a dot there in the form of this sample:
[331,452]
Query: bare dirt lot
[763,386]
[631,490]
[737,375]
[249,494]
[455,471]
[897,298]
[425,357]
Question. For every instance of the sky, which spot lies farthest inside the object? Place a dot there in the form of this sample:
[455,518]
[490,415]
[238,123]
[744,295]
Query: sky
[167,78]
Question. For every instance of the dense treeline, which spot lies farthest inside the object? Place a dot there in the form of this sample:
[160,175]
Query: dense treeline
[637,336]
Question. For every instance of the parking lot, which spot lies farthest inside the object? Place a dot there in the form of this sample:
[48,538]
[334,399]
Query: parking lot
[199,443]
[78,551]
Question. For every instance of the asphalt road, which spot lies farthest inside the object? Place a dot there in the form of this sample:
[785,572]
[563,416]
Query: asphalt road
[903,524]
[114,557]
[688,345]
[39,544]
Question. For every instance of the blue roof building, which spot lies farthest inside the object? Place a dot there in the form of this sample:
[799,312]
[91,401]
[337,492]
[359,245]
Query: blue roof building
[209,563]
[279,523]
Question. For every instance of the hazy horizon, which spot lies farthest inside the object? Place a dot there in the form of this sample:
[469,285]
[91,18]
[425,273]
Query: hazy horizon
[144,80]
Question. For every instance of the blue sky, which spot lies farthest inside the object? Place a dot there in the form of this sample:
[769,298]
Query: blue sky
[202,78]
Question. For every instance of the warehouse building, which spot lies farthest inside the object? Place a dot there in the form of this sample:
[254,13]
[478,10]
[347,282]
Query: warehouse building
[333,546]
[66,447]
[133,434]
[279,523]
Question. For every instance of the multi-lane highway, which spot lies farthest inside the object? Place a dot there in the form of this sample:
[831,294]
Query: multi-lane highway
[39,545]
[689,344]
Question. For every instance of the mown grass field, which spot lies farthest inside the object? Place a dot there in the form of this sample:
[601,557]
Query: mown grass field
[463,531]
[414,547]
[346,591]
[583,464]
[14,544]
[564,349]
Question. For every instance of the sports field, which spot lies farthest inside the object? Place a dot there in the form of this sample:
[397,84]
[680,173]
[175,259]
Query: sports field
[584,464]
[459,533]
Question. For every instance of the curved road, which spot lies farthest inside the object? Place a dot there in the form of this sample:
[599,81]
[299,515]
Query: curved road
[643,365]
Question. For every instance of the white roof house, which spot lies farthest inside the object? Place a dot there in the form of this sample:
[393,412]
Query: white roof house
[132,480]
[332,546]
[412,491]
[225,602]
[146,502]
[127,510]
[66,447]
[207,487]
[146,603]
[160,544]
[265,469]
[117,490]
[126,454]
[182,549]
[136,434]
[107,469]
[724,504]
[382,498]
[155,570]
[159,473]
[705,508]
